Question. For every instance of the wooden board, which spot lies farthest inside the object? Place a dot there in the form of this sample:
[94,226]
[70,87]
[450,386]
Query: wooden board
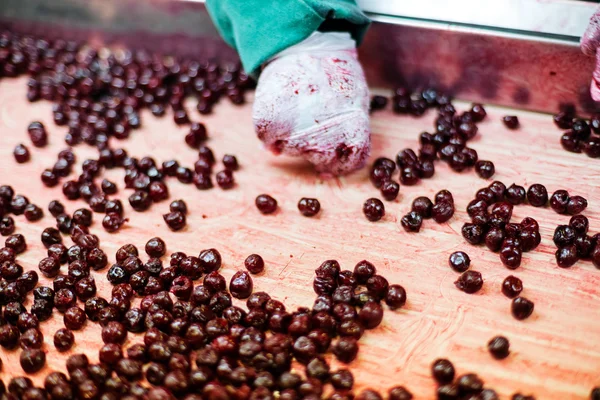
[555,353]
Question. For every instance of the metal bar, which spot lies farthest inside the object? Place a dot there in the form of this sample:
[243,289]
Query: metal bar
[504,68]
[475,29]
[555,17]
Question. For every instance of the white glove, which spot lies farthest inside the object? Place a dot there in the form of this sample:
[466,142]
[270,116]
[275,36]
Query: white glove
[312,101]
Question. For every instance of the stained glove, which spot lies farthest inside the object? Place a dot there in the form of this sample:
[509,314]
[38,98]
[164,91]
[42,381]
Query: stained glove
[312,101]
[590,41]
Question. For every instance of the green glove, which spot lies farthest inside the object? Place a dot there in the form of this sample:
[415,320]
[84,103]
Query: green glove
[259,29]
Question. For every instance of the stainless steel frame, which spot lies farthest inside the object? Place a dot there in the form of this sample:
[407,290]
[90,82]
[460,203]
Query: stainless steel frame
[516,69]
[567,18]
[520,53]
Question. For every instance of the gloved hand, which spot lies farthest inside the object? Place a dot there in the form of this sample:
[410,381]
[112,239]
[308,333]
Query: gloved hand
[590,41]
[312,101]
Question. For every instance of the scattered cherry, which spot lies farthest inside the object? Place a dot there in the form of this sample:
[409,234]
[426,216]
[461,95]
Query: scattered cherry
[390,190]
[230,162]
[254,264]
[63,339]
[459,261]
[499,347]
[32,360]
[113,221]
[265,204]
[21,153]
[378,102]
[442,371]
[309,207]
[537,195]
[373,209]
[512,286]
[510,121]
[175,220]
[196,136]
[395,297]
[485,169]
[521,308]
[156,247]
[225,179]
[37,134]
[422,206]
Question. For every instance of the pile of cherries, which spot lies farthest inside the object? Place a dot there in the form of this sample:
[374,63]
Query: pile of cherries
[99,96]
[422,207]
[15,204]
[574,243]
[492,226]
[18,327]
[582,136]
[196,343]
[448,143]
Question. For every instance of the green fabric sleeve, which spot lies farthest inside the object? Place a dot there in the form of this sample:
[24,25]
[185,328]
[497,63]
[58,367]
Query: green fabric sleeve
[259,29]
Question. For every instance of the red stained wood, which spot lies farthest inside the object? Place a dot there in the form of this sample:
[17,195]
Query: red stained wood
[554,353]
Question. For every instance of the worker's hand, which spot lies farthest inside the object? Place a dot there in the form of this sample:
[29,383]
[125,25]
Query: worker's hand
[590,41]
[312,101]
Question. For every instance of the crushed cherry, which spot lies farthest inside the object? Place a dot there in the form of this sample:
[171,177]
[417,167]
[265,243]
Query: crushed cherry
[113,221]
[470,282]
[411,222]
